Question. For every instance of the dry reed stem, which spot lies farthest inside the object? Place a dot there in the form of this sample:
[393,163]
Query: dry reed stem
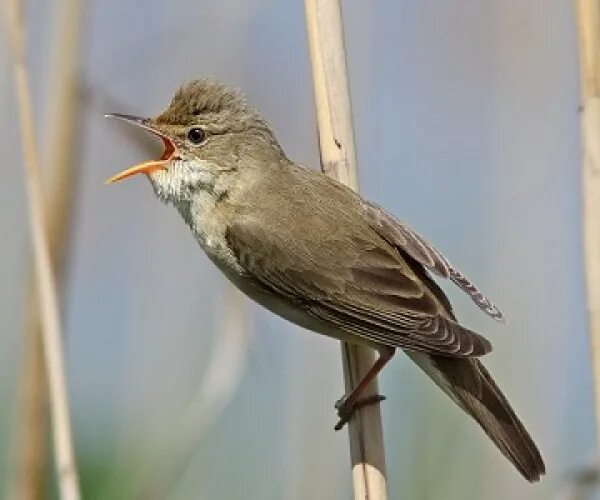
[338,160]
[31,457]
[46,287]
[62,141]
[588,20]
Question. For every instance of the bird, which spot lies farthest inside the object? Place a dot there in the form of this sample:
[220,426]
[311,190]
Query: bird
[316,253]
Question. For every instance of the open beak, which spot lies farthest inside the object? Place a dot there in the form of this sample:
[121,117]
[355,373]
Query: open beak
[147,166]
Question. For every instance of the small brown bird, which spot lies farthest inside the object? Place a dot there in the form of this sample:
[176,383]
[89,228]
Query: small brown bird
[314,252]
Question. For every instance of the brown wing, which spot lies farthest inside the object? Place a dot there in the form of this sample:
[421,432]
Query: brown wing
[407,240]
[363,287]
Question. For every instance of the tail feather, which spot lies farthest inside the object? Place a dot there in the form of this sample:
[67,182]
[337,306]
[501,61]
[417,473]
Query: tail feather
[471,386]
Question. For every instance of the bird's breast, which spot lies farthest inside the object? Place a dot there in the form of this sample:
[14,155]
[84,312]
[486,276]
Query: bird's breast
[208,224]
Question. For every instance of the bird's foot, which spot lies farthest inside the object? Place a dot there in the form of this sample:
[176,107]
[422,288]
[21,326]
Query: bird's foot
[346,408]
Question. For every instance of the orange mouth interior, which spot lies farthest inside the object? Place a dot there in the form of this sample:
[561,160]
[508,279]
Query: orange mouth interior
[169,151]
[148,167]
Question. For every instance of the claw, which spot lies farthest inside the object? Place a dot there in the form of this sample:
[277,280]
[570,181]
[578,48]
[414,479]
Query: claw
[345,410]
[339,404]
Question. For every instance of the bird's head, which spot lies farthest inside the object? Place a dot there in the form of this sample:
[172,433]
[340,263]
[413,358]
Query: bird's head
[208,130]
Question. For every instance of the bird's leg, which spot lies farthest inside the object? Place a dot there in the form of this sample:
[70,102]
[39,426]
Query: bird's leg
[350,402]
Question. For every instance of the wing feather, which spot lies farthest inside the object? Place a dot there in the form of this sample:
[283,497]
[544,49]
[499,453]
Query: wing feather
[368,291]
[404,238]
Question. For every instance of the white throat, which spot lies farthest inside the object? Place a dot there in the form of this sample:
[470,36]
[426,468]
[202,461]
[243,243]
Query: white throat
[183,178]
[195,188]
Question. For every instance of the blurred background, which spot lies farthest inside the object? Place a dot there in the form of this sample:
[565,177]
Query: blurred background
[467,127]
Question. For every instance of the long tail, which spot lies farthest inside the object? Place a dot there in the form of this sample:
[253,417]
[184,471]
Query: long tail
[471,386]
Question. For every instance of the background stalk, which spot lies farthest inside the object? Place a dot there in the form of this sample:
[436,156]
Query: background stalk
[588,20]
[61,153]
[46,285]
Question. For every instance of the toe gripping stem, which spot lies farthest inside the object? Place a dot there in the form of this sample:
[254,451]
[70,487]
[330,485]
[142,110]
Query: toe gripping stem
[348,404]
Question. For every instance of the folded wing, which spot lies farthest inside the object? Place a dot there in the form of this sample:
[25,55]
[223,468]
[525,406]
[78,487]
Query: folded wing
[362,286]
[407,240]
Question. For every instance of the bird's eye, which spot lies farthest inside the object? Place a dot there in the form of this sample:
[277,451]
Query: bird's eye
[196,135]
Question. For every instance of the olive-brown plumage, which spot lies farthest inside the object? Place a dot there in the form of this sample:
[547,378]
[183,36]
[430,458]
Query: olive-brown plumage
[314,252]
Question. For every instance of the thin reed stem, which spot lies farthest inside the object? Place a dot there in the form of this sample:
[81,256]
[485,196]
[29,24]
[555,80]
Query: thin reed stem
[62,139]
[46,286]
[338,160]
[588,20]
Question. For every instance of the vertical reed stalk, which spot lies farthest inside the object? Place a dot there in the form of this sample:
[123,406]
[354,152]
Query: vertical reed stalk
[46,287]
[62,139]
[338,160]
[588,24]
